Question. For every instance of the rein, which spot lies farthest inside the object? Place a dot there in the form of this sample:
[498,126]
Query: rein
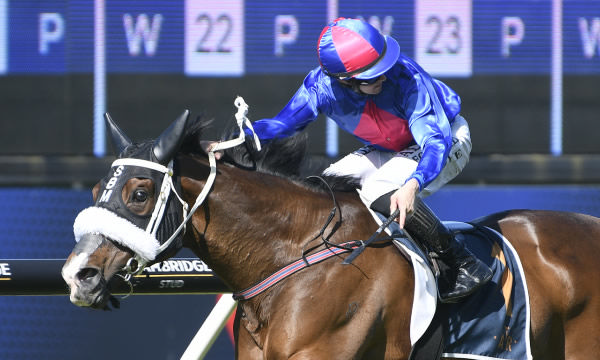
[336,209]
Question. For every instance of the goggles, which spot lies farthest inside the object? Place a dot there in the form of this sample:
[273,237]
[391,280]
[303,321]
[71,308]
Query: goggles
[369,81]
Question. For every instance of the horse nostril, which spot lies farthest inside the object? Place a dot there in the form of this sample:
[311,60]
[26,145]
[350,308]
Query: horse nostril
[86,274]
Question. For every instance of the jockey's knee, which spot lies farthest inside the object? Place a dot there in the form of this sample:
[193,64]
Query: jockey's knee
[461,136]
[374,189]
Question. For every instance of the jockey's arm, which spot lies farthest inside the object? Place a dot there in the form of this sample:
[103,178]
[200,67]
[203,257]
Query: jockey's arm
[433,134]
[301,110]
[431,131]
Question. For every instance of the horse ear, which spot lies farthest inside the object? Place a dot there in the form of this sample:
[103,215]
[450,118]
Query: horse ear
[168,143]
[119,140]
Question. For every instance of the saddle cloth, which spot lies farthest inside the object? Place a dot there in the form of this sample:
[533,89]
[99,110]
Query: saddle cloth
[494,322]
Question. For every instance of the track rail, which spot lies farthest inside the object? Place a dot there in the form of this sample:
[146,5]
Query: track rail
[32,277]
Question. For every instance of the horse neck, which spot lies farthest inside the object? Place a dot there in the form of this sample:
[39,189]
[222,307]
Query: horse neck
[253,224]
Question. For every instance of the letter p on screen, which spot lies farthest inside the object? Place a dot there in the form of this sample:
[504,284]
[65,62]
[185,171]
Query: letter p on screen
[513,32]
[51,30]
[286,32]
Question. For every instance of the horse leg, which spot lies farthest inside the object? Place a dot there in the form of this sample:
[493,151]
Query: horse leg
[245,345]
[572,334]
[582,330]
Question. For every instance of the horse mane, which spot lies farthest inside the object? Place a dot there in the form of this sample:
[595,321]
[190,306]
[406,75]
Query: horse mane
[285,157]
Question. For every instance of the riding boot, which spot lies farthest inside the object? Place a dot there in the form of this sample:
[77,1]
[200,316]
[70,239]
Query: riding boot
[461,273]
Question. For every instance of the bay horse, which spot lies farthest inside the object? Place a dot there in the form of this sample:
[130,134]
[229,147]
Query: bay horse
[259,216]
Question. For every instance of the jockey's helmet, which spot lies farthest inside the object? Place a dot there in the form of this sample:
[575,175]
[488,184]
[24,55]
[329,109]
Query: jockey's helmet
[353,48]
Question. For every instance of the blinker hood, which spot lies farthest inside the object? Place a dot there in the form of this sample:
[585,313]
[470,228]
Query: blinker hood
[112,218]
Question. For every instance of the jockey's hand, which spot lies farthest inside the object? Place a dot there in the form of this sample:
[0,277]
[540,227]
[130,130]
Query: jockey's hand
[404,199]
[208,145]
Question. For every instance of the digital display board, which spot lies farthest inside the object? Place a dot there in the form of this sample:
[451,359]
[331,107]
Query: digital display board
[235,37]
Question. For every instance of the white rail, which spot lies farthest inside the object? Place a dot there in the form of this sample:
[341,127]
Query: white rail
[210,330]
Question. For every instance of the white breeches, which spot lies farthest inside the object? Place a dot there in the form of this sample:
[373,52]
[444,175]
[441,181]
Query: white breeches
[381,172]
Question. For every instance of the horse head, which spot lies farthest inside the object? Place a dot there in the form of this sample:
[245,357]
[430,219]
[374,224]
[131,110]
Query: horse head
[135,217]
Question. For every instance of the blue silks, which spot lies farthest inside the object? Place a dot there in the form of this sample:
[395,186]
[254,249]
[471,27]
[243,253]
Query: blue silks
[400,115]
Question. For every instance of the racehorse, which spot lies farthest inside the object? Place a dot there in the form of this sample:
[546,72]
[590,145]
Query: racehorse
[259,216]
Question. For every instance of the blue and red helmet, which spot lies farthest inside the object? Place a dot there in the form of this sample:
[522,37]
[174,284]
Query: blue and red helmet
[352,48]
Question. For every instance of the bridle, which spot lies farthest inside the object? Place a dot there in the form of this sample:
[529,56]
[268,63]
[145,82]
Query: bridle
[137,263]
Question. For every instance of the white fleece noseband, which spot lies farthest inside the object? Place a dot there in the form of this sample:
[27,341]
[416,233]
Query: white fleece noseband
[102,221]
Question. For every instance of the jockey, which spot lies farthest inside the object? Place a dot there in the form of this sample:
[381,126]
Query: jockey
[415,139]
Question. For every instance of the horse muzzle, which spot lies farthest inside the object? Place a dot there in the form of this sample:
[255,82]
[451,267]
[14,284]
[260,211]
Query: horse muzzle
[88,287]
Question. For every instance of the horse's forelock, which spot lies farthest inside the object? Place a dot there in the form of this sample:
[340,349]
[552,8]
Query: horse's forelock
[193,134]
[137,150]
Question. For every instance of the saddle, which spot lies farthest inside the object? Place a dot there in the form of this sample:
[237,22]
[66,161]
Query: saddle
[491,323]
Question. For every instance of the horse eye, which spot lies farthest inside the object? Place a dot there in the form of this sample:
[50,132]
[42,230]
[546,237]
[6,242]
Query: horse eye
[140,196]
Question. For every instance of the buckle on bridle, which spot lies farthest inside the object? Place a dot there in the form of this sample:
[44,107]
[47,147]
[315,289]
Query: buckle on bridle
[133,267]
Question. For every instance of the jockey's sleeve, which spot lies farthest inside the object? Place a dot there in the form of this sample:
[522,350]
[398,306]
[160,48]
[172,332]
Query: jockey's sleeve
[301,110]
[433,134]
